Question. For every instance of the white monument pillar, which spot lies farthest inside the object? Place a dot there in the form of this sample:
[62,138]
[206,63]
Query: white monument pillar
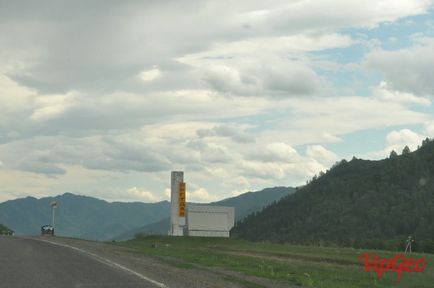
[177,215]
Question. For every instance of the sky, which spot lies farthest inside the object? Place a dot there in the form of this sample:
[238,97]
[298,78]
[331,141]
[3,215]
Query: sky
[105,98]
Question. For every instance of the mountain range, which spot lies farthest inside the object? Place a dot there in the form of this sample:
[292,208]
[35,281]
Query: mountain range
[79,216]
[90,218]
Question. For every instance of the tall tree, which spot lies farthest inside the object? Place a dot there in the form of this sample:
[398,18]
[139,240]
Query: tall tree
[393,154]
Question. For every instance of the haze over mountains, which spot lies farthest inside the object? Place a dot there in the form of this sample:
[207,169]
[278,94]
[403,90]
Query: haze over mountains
[95,219]
[357,203]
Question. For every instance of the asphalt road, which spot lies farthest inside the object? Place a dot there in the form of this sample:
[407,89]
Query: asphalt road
[27,262]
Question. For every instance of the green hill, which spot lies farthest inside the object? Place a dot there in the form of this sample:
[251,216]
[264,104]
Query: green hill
[357,203]
[244,204]
[79,216]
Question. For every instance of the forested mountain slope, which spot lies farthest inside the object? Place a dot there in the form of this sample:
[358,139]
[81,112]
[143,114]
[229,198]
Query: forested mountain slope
[356,203]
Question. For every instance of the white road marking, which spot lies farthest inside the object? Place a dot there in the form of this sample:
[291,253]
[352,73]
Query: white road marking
[108,262]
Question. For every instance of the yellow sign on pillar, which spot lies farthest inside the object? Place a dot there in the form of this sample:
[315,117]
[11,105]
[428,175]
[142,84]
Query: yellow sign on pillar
[181,199]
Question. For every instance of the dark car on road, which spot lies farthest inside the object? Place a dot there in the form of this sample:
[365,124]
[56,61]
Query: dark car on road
[47,230]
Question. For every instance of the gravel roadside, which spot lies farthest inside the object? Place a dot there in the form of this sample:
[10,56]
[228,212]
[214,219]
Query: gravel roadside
[151,267]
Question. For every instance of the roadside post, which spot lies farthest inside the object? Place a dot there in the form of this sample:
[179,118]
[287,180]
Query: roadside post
[53,205]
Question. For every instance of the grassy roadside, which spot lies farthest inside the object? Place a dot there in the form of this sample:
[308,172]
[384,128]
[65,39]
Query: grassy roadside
[295,265]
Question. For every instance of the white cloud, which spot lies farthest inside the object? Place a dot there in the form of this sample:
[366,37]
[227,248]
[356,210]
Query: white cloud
[408,69]
[15,102]
[163,146]
[290,78]
[329,138]
[52,106]
[200,195]
[110,153]
[278,152]
[236,132]
[240,182]
[150,75]
[323,120]
[120,41]
[12,96]
[223,78]
[321,154]
[211,152]
[180,104]
[139,100]
[385,94]
[397,140]
[16,183]
[265,170]
[280,163]
[278,172]
[125,153]
[362,13]
[167,193]
[429,128]
[265,76]
[142,194]
[28,112]
[279,45]
[41,168]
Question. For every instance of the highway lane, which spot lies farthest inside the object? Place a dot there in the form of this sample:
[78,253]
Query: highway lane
[26,262]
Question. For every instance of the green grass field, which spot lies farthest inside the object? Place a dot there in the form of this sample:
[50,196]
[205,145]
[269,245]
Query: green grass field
[305,266]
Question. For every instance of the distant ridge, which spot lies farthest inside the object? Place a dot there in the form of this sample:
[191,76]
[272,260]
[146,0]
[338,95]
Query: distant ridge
[79,216]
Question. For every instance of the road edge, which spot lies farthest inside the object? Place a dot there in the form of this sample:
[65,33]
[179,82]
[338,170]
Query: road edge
[106,262]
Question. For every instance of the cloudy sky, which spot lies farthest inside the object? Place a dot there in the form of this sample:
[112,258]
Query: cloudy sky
[105,98]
